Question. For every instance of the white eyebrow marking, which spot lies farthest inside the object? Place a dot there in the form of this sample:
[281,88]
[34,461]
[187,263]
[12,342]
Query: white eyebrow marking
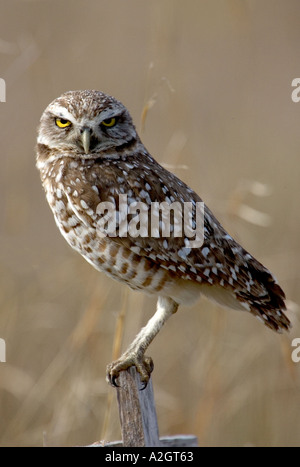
[61,112]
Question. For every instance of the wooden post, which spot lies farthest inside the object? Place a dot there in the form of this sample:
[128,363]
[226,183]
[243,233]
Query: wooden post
[138,417]
[137,411]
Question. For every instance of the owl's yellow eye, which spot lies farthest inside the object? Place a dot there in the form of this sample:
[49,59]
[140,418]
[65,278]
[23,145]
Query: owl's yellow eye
[109,122]
[62,123]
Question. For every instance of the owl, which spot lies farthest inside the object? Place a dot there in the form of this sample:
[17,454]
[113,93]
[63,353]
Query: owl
[91,160]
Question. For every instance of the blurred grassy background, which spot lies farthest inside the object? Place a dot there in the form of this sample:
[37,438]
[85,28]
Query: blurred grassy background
[216,80]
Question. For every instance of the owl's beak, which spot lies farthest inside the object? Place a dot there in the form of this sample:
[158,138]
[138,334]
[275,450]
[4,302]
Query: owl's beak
[86,140]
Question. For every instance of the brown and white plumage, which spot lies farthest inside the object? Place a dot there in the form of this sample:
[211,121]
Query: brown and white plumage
[90,161]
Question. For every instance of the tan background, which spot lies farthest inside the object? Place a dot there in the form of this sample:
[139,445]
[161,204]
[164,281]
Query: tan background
[219,76]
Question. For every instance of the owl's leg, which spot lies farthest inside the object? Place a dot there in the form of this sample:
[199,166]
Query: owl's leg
[134,355]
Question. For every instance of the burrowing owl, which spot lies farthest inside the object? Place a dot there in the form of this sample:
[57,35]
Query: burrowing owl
[89,153]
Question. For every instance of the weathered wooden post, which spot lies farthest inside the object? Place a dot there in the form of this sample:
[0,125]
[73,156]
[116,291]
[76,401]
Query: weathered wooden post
[138,419]
[137,411]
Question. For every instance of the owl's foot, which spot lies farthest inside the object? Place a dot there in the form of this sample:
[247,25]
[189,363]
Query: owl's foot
[135,354]
[144,366]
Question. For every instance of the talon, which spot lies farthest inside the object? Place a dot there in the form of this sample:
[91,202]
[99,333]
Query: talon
[112,376]
[144,366]
[114,382]
[145,384]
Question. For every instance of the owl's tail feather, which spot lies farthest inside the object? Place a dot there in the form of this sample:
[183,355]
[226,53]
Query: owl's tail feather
[269,306]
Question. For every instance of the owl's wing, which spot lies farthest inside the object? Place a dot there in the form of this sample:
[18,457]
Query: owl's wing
[218,260]
[143,191]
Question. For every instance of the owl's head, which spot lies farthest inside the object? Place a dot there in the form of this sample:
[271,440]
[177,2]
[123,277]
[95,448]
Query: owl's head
[84,123]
